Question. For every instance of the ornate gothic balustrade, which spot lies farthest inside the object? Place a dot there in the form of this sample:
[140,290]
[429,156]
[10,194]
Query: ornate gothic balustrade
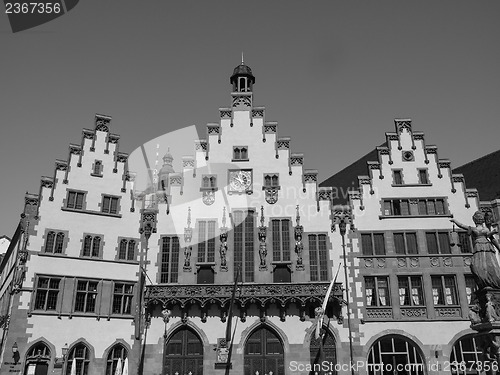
[305,295]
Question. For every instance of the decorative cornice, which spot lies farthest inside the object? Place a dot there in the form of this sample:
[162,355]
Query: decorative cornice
[258,112]
[225,113]
[121,157]
[270,127]
[402,124]
[102,123]
[262,294]
[61,165]
[283,143]
[75,149]
[296,159]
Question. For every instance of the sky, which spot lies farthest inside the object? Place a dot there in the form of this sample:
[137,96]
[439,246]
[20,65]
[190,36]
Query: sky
[334,74]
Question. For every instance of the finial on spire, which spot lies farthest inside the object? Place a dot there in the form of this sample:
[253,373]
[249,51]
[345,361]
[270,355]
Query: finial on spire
[261,216]
[224,216]
[189,217]
[242,63]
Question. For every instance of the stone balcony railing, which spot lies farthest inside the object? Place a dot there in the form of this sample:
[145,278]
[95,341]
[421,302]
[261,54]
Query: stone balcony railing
[304,295]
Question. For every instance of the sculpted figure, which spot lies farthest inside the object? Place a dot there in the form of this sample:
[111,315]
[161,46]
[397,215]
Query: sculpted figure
[485,264]
[187,256]
[223,250]
[262,253]
[298,249]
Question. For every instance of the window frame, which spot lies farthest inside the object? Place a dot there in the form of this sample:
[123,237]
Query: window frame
[127,251]
[72,204]
[397,177]
[410,288]
[438,235]
[443,295]
[168,268]
[97,172]
[373,247]
[272,185]
[87,292]
[53,243]
[318,257]
[238,153]
[124,297]
[376,289]
[406,242]
[107,208]
[47,291]
[424,181]
[94,238]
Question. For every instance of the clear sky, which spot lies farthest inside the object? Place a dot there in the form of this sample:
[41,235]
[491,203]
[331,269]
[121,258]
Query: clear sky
[334,74]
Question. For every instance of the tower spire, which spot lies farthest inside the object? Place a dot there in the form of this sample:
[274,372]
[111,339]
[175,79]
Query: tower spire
[242,63]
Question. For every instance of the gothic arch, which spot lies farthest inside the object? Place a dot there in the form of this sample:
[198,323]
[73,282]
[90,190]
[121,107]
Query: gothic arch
[263,349]
[334,331]
[257,324]
[179,325]
[184,351]
[48,361]
[117,341]
[91,353]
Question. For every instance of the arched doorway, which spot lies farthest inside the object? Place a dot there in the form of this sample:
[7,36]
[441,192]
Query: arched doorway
[323,349]
[37,360]
[264,353]
[395,355]
[183,353]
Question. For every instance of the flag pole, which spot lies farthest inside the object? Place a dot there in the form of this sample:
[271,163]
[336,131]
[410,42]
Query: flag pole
[229,334]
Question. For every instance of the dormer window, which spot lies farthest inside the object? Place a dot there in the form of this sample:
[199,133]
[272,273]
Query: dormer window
[240,153]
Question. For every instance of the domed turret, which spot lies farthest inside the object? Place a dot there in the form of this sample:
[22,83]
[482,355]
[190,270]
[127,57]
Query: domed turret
[165,170]
[242,78]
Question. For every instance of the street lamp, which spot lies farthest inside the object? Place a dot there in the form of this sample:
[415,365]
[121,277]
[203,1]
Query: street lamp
[15,353]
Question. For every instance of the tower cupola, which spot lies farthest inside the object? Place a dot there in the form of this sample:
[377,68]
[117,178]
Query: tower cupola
[242,78]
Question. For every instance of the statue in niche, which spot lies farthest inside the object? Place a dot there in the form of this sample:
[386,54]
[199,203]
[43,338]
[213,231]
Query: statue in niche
[485,264]
[262,254]
[187,258]
[223,251]
[299,247]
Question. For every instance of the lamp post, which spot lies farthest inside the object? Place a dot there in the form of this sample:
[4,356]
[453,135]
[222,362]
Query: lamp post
[64,351]
[342,217]
[15,353]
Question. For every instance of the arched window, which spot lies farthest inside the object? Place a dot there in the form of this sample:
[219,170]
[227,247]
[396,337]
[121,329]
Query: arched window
[37,359]
[59,243]
[206,182]
[184,353]
[49,243]
[322,349]
[264,353]
[243,84]
[236,153]
[244,153]
[96,244]
[87,244]
[116,356]
[122,253]
[466,350]
[80,353]
[395,354]
[275,180]
[98,167]
[131,250]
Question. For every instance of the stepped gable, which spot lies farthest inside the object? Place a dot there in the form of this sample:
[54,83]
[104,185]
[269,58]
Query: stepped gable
[484,175]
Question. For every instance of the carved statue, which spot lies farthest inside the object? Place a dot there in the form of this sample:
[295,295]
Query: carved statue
[299,247]
[491,314]
[262,253]
[485,263]
[223,252]
[489,222]
[187,256]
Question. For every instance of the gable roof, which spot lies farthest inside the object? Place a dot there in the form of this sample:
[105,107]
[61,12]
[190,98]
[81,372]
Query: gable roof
[484,175]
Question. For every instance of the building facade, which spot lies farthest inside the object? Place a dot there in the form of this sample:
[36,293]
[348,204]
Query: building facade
[223,264]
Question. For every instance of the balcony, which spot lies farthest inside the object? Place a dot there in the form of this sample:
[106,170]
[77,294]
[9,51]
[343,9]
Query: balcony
[304,295]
